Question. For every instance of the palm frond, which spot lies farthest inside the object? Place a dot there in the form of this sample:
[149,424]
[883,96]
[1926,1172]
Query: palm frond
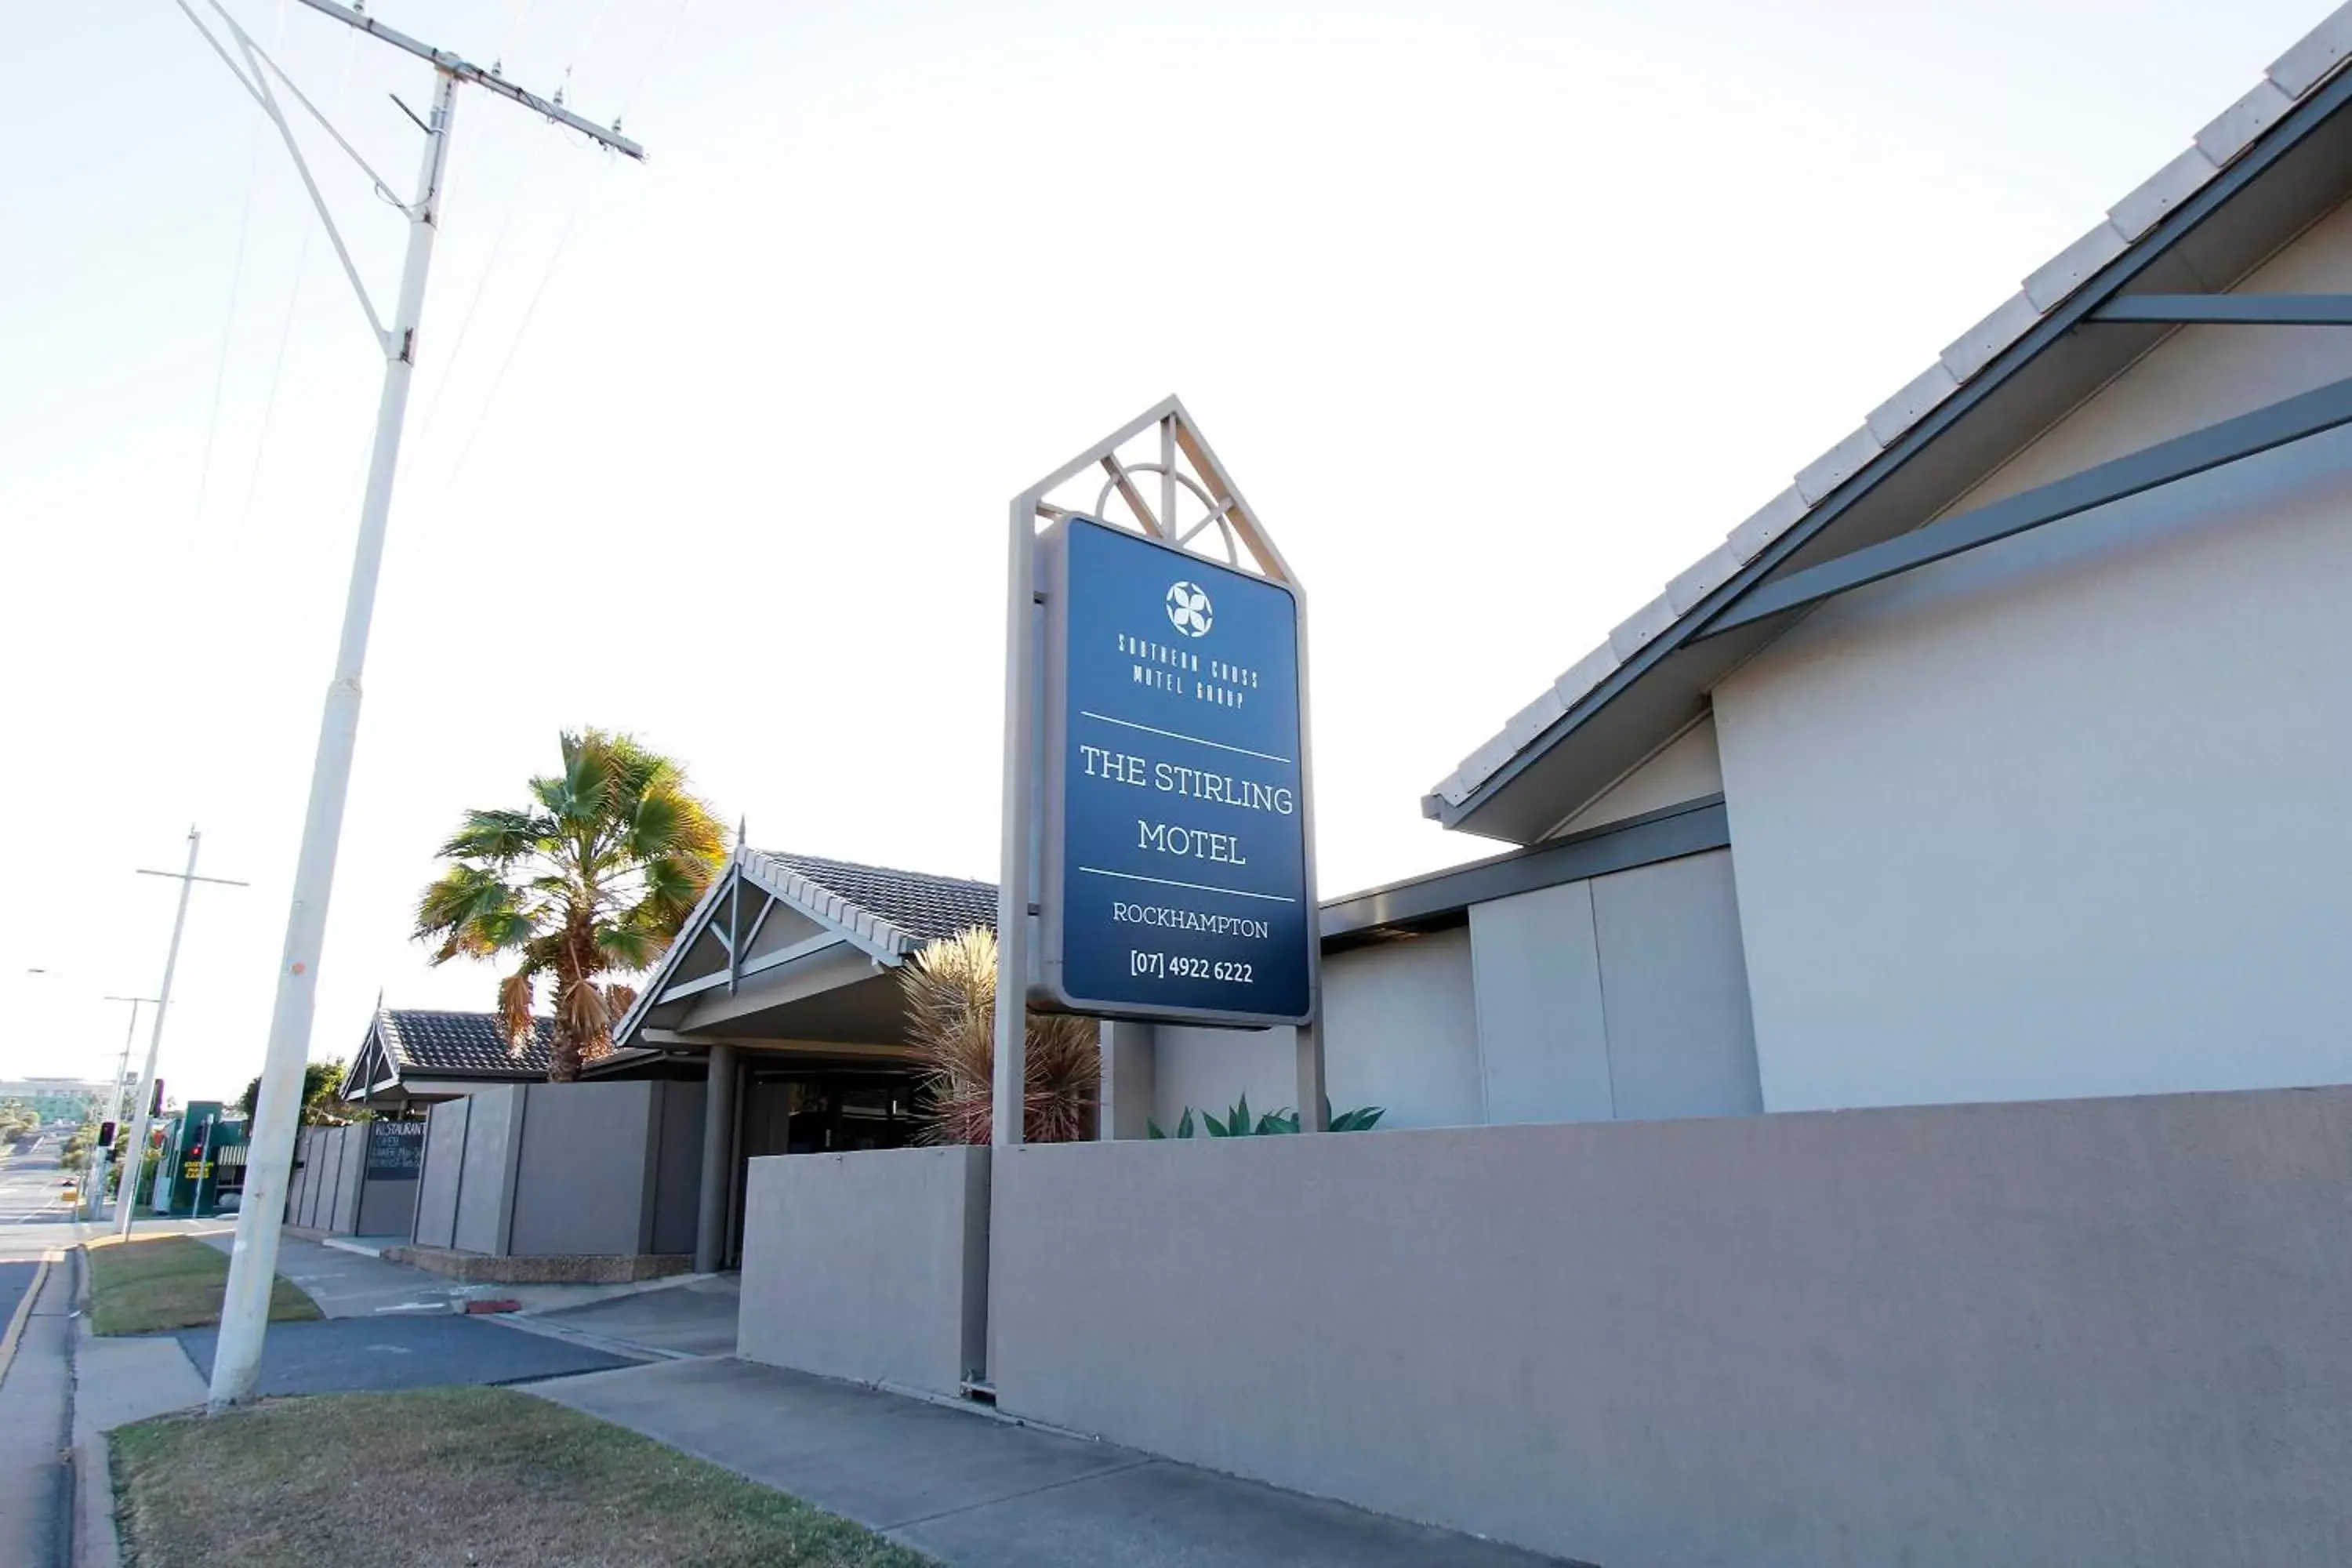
[498,836]
[516,1020]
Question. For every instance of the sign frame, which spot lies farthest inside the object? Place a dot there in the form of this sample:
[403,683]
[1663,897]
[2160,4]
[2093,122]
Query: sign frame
[1049,990]
[1126,458]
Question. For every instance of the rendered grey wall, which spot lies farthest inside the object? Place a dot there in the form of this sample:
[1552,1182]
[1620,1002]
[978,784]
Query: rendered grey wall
[484,1194]
[351,1190]
[437,1189]
[677,1168]
[2065,815]
[582,1181]
[1623,996]
[1400,1030]
[1675,990]
[2091,1331]
[298,1181]
[1544,1043]
[871,1266]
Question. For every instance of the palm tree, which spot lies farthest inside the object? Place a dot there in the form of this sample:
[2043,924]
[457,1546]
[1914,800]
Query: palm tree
[592,879]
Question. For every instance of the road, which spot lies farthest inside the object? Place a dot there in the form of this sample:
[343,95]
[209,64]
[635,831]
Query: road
[29,1189]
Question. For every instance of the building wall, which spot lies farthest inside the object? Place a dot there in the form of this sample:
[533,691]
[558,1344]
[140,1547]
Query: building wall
[1617,996]
[677,1168]
[1400,1030]
[2104,1331]
[1685,768]
[1622,996]
[2063,816]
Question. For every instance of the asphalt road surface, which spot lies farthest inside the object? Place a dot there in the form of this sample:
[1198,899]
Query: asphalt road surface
[30,1187]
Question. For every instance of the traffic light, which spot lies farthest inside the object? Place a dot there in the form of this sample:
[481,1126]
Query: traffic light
[106,1134]
[156,1102]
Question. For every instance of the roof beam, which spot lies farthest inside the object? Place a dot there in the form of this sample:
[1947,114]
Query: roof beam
[2276,425]
[2230,309]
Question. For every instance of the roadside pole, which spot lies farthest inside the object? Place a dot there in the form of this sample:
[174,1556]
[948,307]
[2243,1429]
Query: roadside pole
[253,1262]
[126,1203]
[118,1109]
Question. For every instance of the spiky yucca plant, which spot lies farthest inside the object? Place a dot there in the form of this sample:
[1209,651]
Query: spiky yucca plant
[951,989]
[592,879]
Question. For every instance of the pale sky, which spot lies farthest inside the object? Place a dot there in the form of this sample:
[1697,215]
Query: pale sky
[1500,313]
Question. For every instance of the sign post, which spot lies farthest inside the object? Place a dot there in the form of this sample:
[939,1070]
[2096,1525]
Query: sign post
[1158,857]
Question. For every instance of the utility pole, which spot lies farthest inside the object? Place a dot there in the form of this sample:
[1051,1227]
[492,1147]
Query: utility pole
[116,1110]
[253,1264]
[126,1202]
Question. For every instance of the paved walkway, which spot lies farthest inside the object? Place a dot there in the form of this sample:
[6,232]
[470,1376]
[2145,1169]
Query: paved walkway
[35,1414]
[979,1492]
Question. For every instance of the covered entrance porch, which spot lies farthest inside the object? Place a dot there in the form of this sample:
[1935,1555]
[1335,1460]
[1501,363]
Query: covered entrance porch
[782,993]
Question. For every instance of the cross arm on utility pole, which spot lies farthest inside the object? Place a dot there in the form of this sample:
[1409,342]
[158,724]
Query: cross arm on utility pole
[466,70]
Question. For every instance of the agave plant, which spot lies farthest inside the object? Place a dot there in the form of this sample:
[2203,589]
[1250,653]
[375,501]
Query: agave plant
[951,989]
[1238,1122]
[593,878]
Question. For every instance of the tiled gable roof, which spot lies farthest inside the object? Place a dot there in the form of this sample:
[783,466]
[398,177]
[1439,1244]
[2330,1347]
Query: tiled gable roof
[420,1040]
[2293,78]
[902,909]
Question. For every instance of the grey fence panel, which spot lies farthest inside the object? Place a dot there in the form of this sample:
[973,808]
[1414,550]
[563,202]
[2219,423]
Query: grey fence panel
[581,1180]
[485,1197]
[445,1158]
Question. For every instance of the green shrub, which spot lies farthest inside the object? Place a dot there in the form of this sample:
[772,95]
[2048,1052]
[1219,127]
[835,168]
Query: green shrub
[1238,1122]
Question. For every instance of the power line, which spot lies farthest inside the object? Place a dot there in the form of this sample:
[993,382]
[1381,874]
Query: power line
[285,335]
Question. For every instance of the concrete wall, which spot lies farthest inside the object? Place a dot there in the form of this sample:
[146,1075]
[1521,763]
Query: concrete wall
[2063,816]
[563,1170]
[341,1210]
[485,1169]
[870,1266]
[582,1184]
[2104,1330]
[437,1189]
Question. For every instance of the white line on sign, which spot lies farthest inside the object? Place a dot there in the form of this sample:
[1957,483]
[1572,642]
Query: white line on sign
[1196,887]
[1174,735]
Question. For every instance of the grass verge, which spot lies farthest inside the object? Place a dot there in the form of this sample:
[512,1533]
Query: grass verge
[475,1475]
[155,1282]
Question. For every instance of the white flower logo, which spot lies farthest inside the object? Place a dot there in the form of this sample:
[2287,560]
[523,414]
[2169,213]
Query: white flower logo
[1188,609]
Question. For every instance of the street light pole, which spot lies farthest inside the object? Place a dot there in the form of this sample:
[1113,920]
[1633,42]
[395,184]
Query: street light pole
[117,1112]
[253,1262]
[126,1203]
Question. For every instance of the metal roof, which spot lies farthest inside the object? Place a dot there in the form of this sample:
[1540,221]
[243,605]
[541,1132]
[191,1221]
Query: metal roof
[1884,477]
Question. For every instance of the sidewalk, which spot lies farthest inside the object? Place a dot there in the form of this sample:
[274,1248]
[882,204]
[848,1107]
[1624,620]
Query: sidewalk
[979,1492]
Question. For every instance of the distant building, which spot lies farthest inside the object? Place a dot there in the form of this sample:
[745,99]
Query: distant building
[55,1098]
